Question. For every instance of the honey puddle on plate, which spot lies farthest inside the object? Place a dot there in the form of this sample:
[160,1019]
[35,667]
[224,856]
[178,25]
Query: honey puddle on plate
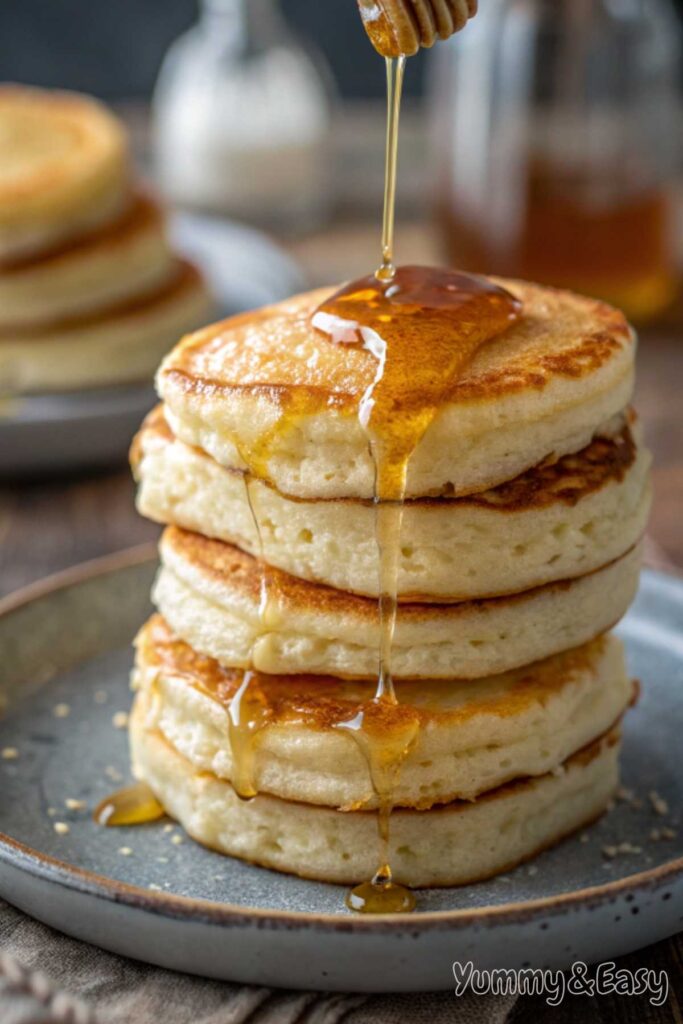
[421,325]
[134,805]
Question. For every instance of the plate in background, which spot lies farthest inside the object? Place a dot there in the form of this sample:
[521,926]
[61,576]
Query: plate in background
[183,907]
[42,434]
[244,267]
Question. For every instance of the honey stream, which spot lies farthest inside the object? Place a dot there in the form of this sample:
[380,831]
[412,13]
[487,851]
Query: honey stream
[422,325]
[395,73]
[248,711]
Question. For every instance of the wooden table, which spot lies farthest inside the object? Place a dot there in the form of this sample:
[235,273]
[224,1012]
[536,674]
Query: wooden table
[46,525]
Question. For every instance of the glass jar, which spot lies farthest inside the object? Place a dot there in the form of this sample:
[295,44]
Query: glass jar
[557,125]
[241,119]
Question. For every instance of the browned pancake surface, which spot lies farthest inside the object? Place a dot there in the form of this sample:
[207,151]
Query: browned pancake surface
[322,702]
[275,352]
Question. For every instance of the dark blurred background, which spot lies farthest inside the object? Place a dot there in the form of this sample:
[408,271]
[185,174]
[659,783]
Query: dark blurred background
[113,48]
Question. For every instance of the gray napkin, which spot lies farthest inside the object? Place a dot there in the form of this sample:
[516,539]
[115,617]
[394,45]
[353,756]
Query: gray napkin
[47,978]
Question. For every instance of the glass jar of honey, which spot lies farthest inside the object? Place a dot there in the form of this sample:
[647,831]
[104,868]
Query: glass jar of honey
[556,130]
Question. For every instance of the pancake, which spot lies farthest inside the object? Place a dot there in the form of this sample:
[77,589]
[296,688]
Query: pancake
[555,522]
[452,845]
[123,343]
[126,259]
[64,168]
[467,736]
[210,594]
[267,383]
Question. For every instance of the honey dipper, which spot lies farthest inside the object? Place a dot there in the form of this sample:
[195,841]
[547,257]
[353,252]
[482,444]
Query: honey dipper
[400,27]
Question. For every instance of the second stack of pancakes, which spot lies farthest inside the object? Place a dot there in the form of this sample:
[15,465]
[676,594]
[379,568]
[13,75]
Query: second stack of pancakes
[519,550]
[91,291]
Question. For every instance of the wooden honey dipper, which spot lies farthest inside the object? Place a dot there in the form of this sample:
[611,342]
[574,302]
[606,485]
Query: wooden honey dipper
[400,27]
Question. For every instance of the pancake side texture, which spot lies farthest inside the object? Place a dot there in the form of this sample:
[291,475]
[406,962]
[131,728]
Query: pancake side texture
[452,845]
[115,345]
[266,381]
[473,735]
[122,260]
[209,593]
[555,523]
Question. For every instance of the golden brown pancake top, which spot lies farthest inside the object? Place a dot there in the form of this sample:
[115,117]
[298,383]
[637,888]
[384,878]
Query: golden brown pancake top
[276,353]
[228,565]
[323,702]
[59,150]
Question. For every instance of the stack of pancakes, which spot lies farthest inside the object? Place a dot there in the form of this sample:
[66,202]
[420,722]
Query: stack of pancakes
[526,501]
[90,292]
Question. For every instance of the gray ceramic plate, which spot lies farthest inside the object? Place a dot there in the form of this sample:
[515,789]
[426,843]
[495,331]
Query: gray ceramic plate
[50,433]
[67,642]
[77,429]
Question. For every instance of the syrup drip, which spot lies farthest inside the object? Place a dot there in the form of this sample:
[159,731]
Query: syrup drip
[395,72]
[134,805]
[247,712]
[422,326]
[246,719]
[385,740]
[381,895]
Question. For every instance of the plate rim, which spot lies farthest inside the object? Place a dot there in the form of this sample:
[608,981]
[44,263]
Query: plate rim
[53,870]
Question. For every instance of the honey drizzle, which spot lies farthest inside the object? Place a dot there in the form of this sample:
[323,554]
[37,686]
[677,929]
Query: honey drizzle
[395,72]
[245,720]
[247,712]
[384,760]
[385,749]
[422,326]
[247,716]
